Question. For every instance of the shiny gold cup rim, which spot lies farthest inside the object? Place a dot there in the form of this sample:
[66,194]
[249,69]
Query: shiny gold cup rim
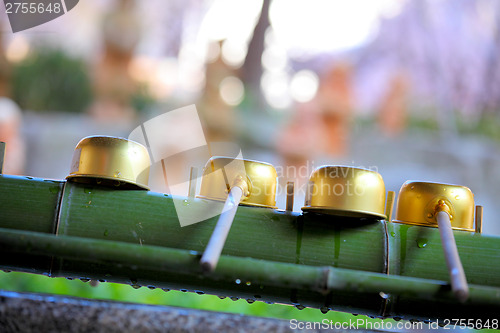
[247,200]
[359,212]
[130,179]
[430,208]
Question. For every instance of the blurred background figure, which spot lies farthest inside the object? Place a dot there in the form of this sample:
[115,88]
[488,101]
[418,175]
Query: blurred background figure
[319,129]
[223,89]
[113,85]
[393,113]
[10,133]
[335,98]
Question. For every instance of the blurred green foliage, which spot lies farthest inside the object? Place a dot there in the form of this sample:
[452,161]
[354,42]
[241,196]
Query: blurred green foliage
[487,125]
[51,80]
[142,100]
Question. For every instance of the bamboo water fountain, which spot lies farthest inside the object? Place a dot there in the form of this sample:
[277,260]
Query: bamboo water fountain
[108,231]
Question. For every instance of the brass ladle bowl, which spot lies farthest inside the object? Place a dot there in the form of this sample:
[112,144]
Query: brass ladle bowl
[110,161]
[260,178]
[346,191]
[234,181]
[446,207]
[417,202]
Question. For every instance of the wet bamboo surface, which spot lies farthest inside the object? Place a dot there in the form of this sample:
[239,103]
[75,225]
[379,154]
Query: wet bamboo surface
[264,245]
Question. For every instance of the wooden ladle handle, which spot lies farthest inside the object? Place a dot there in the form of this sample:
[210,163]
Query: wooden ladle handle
[457,275]
[214,247]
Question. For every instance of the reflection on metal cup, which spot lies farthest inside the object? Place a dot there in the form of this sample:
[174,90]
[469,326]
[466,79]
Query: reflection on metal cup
[111,161]
[346,191]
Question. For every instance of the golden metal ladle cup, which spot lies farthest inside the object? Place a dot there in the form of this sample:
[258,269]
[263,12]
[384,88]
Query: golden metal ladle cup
[446,207]
[110,161]
[235,182]
[346,191]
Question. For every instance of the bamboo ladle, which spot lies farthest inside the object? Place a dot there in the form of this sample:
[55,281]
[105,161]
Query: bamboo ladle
[446,207]
[234,181]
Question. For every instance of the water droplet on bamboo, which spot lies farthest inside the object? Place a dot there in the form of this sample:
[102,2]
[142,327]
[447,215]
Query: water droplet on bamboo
[422,242]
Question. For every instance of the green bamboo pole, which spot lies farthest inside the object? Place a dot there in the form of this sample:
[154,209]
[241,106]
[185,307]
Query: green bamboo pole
[417,252]
[148,220]
[313,278]
[307,278]
[28,203]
